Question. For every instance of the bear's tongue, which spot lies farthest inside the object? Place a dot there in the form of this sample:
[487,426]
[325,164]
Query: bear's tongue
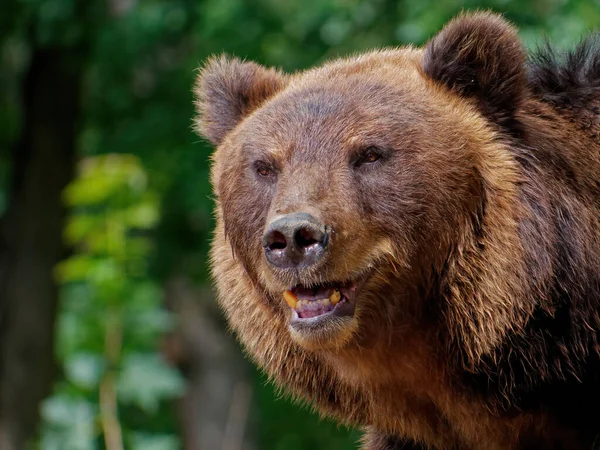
[313,302]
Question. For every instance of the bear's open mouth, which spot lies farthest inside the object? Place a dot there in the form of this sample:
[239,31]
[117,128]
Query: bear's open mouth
[336,299]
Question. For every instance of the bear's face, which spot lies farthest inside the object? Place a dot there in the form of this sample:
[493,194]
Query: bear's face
[340,189]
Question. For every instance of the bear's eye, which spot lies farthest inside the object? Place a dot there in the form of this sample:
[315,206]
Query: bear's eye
[368,156]
[264,169]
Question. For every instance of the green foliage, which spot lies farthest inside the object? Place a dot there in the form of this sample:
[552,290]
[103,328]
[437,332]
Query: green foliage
[69,423]
[108,357]
[145,380]
[141,204]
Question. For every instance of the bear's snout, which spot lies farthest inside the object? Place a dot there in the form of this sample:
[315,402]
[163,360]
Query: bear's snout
[296,240]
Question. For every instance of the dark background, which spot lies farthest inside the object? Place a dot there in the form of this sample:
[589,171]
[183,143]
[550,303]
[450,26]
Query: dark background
[109,334]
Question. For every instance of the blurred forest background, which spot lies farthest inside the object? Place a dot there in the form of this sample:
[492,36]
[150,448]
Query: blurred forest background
[109,334]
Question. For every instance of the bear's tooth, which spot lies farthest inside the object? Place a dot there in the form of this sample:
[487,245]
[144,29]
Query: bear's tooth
[290,299]
[335,296]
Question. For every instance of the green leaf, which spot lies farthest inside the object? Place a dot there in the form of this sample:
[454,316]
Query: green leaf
[80,226]
[103,177]
[84,369]
[145,380]
[147,441]
[69,424]
[75,268]
[142,215]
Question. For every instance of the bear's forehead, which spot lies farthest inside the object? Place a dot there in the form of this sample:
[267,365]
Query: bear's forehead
[316,101]
[371,85]
[316,117]
[388,65]
[377,99]
[335,111]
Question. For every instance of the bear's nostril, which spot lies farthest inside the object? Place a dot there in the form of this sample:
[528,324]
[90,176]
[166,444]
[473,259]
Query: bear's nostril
[277,241]
[294,240]
[305,238]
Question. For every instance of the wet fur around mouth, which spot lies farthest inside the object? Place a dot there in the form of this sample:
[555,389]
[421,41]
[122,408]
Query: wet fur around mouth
[320,300]
[318,323]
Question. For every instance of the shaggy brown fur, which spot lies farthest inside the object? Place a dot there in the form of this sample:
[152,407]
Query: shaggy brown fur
[478,230]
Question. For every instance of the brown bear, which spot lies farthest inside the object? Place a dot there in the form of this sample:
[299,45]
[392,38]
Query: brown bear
[409,239]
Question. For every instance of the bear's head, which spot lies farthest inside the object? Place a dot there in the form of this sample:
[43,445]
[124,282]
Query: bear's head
[346,194]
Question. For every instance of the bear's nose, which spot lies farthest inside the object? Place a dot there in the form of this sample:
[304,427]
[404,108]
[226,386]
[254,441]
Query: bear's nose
[295,241]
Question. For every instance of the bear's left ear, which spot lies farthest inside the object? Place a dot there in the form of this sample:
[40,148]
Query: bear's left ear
[227,90]
[480,56]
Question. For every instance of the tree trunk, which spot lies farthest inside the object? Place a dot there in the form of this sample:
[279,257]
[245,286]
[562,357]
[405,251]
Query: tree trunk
[215,410]
[31,239]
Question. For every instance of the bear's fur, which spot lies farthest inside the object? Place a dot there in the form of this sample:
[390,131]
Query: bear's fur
[477,231]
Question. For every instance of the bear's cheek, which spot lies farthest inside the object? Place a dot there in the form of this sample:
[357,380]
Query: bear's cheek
[391,204]
[245,207]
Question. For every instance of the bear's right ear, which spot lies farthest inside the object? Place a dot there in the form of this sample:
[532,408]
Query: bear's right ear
[227,90]
[480,56]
